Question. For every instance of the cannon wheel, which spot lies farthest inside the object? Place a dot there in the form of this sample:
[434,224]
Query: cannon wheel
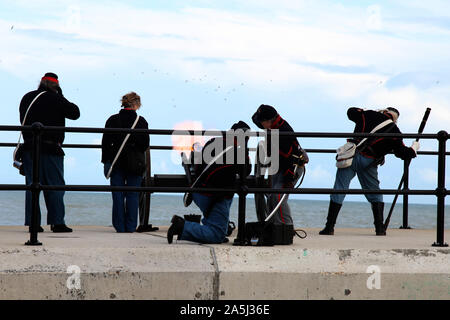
[145,198]
[260,171]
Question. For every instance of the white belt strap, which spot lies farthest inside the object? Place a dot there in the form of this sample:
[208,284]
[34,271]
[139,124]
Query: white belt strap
[23,122]
[211,163]
[378,127]
[121,147]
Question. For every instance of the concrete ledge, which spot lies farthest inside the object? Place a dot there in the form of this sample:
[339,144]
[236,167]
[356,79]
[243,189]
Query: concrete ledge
[109,285]
[144,266]
[337,286]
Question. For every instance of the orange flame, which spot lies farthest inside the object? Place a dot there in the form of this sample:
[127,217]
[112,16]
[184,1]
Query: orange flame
[185,143]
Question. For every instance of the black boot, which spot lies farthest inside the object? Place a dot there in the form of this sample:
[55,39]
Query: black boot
[333,211]
[60,228]
[176,228]
[378,220]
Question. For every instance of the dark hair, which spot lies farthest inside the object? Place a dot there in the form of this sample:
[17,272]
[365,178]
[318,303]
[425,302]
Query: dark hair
[240,125]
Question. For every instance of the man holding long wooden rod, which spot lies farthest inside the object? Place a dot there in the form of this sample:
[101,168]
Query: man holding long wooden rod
[365,163]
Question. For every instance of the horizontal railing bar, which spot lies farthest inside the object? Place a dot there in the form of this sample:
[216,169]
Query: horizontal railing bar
[14,187]
[98,146]
[349,191]
[218,133]
[106,188]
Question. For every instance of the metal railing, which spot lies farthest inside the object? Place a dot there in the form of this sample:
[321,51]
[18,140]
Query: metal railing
[241,189]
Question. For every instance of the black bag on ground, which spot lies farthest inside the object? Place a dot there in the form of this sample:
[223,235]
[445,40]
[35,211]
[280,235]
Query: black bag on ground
[283,234]
[268,234]
[259,234]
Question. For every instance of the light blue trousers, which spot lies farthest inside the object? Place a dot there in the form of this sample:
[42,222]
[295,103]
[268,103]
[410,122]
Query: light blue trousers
[213,228]
[367,175]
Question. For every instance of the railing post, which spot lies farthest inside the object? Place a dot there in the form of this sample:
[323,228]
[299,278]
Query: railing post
[35,185]
[243,191]
[441,191]
[405,196]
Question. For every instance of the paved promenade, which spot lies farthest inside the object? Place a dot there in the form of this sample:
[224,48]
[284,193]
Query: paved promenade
[97,263]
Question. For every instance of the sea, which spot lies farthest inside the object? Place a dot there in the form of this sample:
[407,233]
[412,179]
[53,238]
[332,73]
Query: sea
[94,209]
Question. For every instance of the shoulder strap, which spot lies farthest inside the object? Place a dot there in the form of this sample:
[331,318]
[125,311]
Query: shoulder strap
[23,122]
[29,107]
[121,147]
[211,163]
[378,127]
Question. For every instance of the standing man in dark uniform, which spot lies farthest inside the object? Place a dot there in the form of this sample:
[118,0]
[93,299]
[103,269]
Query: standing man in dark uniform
[365,163]
[50,109]
[290,154]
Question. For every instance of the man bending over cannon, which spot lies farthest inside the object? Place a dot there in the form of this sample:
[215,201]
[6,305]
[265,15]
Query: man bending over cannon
[365,162]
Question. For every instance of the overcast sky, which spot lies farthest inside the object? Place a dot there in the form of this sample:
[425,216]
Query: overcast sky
[215,62]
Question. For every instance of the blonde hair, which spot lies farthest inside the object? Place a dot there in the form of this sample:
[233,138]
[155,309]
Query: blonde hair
[130,100]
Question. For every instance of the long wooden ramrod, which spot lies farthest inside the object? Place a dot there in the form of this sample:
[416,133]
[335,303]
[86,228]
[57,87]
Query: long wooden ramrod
[421,128]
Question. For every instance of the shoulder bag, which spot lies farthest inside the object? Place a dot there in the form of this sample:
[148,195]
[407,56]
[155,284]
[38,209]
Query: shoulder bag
[345,153]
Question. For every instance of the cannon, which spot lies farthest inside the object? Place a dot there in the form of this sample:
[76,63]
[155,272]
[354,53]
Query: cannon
[186,180]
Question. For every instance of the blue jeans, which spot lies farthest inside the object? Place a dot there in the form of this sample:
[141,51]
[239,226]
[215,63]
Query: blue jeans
[213,228]
[51,172]
[125,207]
[367,175]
